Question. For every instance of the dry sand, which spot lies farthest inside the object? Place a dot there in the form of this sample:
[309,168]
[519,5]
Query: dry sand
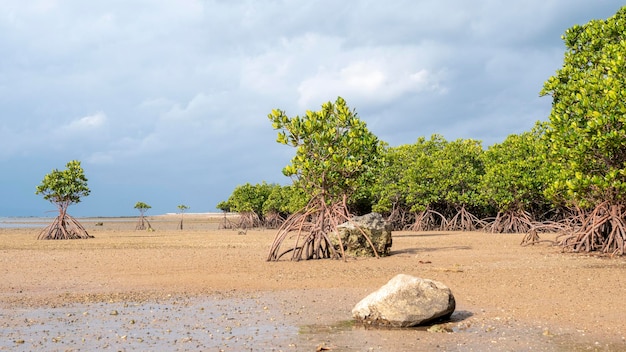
[207,289]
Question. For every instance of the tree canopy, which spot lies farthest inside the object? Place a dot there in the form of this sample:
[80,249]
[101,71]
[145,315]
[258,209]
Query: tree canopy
[334,149]
[587,129]
[336,155]
[142,207]
[587,132]
[566,174]
[64,188]
[515,179]
[143,223]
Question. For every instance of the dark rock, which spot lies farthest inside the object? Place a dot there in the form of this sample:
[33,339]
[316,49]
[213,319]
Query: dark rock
[354,242]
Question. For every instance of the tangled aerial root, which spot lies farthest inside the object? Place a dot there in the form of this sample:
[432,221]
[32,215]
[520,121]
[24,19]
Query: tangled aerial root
[312,230]
[603,229]
[245,220]
[227,224]
[511,222]
[429,220]
[64,227]
[399,219]
[273,220]
[463,220]
[143,224]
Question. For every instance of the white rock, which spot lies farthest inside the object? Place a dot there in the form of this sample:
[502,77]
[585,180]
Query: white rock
[405,301]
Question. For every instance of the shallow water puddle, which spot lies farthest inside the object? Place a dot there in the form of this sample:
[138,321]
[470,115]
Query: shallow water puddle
[253,324]
[228,324]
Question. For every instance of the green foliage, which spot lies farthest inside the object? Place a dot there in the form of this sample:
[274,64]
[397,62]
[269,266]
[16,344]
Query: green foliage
[587,129]
[429,173]
[247,198]
[285,200]
[142,207]
[66,187]
[457,170]
[182,208]
[223,206]
[517,172]
[334,150]
[407,177]
[423,182]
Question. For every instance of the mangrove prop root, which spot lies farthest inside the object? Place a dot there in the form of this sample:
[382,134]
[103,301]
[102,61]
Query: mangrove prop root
[273,220]
[64,227]
[603,230]
[143,224]
[518,221]
[429,220]
[463,220]
[311,231]
[244,221]
[227,224]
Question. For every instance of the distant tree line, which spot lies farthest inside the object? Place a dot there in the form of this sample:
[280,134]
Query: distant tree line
[567,174]
[433,184]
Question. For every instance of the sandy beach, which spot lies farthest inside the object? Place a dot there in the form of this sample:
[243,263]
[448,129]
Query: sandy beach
[202,288]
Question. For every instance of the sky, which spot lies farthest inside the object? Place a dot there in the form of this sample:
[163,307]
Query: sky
[166,102]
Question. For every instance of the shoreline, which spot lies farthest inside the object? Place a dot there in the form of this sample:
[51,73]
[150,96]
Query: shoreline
[37,222]
[508,297]
[193,215]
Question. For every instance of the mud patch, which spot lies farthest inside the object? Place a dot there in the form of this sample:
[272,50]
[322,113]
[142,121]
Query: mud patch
[222,324]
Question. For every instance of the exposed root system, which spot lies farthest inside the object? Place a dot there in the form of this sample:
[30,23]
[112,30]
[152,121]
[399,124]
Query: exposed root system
[311,230]
[463,220]
[532,235]
[273,220]
[64,227]
[227,224]
[249,220]
[510,222]
[603,230]
[429,220]
[398,218]
[143,224]
[243,222]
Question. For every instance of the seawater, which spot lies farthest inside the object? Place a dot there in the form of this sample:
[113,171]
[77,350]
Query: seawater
[240,324]
[24,222]
[17,222]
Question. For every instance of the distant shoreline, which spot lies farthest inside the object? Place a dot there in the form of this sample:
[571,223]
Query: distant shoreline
[209,214]
[8,222]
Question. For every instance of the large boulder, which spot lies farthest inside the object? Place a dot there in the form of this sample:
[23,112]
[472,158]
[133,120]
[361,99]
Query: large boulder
[405,301]
[355,244]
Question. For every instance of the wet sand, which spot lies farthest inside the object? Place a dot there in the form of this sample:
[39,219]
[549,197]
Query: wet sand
[207,289]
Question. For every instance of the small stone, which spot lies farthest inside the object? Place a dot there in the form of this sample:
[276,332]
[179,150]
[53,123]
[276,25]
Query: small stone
[439,328]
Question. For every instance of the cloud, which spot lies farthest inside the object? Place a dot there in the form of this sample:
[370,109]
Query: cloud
[83,133]
[89,123]
[367,83]
[136,88]
[184,128]
[312,69]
